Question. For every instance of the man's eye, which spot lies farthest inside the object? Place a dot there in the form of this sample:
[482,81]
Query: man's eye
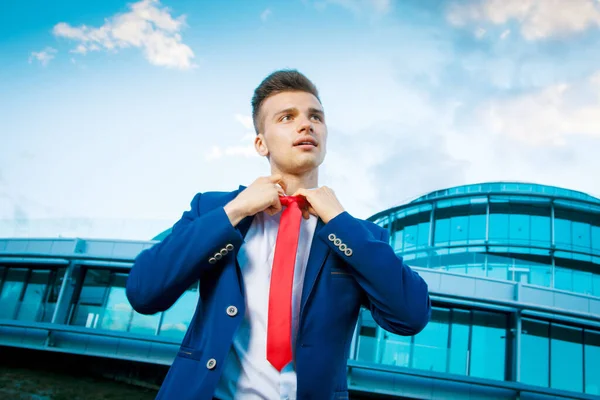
[286,117]
[317,117]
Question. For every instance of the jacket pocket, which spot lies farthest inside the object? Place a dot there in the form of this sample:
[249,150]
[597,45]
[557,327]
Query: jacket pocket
[188,352]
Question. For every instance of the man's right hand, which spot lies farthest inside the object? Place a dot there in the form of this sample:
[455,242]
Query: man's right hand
[262,195]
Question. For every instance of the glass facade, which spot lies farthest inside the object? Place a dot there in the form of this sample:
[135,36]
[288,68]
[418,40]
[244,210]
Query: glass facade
[29,293]
[102,304]
[524,233]
[499,232]
[458,341]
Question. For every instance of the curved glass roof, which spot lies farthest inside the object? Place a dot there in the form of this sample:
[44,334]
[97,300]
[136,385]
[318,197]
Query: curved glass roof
[508,187]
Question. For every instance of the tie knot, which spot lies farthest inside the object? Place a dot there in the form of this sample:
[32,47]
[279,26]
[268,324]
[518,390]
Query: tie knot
[289,200]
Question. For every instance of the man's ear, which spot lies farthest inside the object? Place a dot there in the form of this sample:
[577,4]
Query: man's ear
[261,145]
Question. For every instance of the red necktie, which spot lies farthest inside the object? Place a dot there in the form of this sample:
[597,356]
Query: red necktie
[279,327]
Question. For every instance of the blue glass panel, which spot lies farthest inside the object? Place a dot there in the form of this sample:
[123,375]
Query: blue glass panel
[596,285]
[540,274]
[399,240]
[498,228]
[488,345]
[582,282]
[563,279]
[177,318]
[442,232]
[535,353]
[431,345]
[11,292]
[596,239]
[519,229]
[423,235]
[410,237]
[367,344]
[566,358]
[582,236]
[498,267]
[117,313]
[562,233]
[476,229]
[31,307]
[459,230]
[144,324]
[540,231]
[592,362]
[459,342]
[396,350]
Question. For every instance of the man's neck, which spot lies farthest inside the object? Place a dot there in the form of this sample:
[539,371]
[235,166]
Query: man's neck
[295,182]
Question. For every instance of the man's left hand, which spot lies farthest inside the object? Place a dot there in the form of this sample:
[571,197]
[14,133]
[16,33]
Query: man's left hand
[322,203]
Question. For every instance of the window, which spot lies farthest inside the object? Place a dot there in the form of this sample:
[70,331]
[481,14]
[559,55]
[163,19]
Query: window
[540,231]
[592,362]
[32,304]
[12,288]
[488,345]
[430,349]
[566,362]
[562,233]
[93,292]
[29,294]
[367,339]
[177,319]
[116,314]
[535,352]
[442,232]
[459,342]
[498,228]
[477,229]
[103,304]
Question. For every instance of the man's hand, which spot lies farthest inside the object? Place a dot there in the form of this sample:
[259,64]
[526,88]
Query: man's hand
[322,203]
[262,195]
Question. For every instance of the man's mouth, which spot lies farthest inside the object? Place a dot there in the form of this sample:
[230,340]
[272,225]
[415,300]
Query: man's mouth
[305,142]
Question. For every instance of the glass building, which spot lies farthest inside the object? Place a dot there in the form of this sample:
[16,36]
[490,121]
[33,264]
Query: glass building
[513,270]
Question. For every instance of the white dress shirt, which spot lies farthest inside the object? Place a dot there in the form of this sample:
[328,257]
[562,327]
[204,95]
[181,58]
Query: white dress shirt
[247,374]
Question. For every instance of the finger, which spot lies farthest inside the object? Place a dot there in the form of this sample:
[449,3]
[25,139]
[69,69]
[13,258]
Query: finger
[312,211]
[300,192]
[275,178]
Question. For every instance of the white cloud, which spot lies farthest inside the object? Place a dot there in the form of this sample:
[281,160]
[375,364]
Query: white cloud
[547,116]
[217,152]
[148,26]
[246,150]
[539,19]
[245,120]
[266,14]
[43,56]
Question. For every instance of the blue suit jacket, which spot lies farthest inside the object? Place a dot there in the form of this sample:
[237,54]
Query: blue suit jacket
[338,280]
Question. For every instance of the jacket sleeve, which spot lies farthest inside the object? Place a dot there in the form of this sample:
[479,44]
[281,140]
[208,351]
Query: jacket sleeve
[398,296]
[162,273]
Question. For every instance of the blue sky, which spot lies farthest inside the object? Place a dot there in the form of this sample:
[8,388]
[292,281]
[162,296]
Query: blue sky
[121,111]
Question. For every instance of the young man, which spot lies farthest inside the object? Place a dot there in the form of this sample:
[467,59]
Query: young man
[283,270]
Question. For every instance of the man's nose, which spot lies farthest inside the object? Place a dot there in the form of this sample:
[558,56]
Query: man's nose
[305,124]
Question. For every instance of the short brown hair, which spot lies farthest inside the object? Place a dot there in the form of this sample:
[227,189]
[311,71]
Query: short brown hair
[280,81]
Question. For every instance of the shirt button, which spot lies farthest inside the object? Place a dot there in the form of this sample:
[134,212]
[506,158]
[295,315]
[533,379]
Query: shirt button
[229,247]
[211,364]
[232,311]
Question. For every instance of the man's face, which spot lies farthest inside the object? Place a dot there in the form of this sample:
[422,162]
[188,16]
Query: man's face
[293,133]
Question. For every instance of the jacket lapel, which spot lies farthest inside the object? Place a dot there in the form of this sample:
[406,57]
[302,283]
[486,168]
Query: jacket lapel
[316,259]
